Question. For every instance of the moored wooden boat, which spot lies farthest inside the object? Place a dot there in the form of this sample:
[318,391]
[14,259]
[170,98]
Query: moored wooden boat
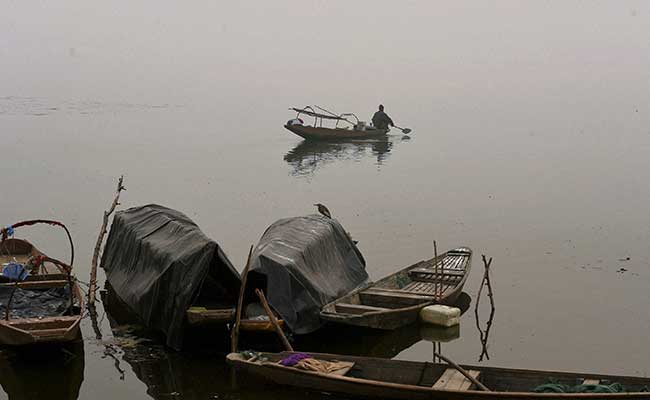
[397,299]
[58,329]
[395,379]
[47,279]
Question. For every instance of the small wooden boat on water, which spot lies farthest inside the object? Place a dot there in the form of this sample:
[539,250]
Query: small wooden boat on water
[45,305]
[396,300]
[394,379]
[352,130]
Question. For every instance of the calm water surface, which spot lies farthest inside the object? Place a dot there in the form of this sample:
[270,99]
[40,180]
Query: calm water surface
[531,135]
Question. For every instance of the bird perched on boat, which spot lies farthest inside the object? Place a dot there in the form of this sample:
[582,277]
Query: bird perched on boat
[323,210]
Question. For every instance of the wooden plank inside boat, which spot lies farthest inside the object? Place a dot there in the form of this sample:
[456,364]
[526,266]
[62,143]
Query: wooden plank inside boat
[202,315]
[42,323]
[391,299]
[452,379]
[44,284]
[357,308]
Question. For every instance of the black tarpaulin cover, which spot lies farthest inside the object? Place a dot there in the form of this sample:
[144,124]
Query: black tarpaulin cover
[159,263]
[35,303]
[306,262]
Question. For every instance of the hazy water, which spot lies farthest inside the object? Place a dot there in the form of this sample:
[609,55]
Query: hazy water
[531,135]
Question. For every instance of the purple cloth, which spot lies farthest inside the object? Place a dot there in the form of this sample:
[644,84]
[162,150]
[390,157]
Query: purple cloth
[293,359]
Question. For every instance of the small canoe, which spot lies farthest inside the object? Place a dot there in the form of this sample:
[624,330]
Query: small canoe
[395,379]
[397,299]
[322,133]
[49,282]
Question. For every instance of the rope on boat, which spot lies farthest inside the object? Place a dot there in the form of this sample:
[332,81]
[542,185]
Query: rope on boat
[7,232]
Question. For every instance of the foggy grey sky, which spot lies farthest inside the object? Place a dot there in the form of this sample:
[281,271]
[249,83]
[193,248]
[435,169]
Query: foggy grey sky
[354,52]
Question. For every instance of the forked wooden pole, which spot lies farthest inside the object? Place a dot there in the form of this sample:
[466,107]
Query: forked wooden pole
[234,337]
[485,282]
[92,287]
[274,321]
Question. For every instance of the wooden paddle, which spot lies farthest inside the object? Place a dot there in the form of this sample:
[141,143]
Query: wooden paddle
[405,131]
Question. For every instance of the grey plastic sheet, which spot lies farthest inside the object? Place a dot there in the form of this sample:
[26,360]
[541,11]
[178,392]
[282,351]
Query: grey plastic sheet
[305,263]
[159,263]
[34,303]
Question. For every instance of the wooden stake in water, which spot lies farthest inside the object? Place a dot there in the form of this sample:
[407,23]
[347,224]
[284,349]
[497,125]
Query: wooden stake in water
[92,286]
[234,335]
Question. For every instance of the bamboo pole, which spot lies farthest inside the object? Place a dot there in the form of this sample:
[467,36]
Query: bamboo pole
[274,321]
[234,337]
[92,287]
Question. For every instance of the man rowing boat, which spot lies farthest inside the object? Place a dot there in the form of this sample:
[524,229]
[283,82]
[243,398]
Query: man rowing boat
[381,120]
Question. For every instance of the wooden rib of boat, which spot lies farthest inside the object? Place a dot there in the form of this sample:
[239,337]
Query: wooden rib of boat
[395,379]
[397,299]
[323,133]
[50,274]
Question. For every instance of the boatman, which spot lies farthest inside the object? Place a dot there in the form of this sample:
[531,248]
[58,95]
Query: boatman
[381,120]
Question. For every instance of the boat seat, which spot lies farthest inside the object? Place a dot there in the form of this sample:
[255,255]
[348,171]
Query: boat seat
[429,275]
[357,308]
[29,284]
[591,382]
[452,379]
[203,315]
[426,288]
[379,297]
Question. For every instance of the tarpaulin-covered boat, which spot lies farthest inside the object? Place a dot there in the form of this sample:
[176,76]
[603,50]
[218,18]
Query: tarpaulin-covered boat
[303,263]
[168,272]
[160,265]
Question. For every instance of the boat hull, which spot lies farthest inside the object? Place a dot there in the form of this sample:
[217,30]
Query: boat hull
[320,133]
[22,332]
[396,379]
[388,320]
[391,307]
[26,331]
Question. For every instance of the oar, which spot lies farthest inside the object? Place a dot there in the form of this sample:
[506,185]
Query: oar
[405,131]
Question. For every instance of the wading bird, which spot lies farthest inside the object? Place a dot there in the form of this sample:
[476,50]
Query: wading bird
[323,210]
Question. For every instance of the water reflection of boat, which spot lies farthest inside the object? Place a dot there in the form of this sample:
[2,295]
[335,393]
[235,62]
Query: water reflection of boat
[308,156]
[196,373]
[43,372]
